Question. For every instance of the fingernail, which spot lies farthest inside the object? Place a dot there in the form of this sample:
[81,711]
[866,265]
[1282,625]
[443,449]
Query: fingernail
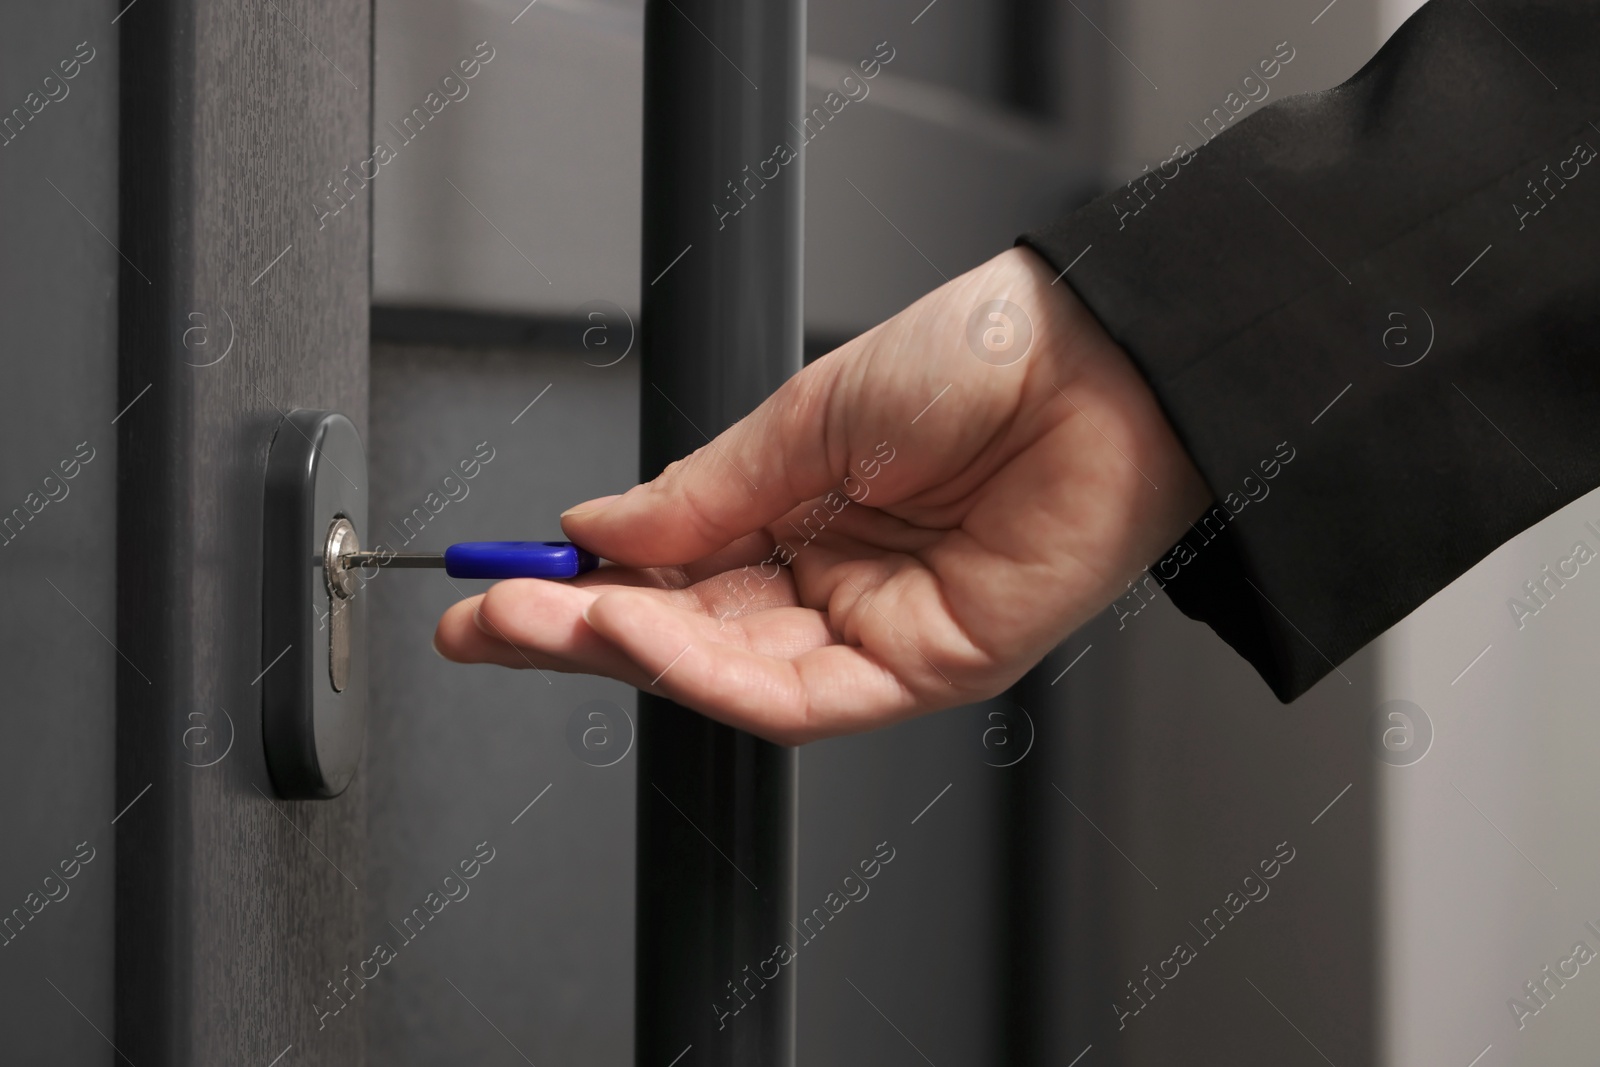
[436,650]
[590,505]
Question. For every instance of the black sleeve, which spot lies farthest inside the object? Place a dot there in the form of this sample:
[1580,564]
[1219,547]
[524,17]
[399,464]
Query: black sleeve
[1371,315]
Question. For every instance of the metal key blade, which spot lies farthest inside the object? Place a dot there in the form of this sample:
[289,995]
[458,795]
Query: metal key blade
[393,559]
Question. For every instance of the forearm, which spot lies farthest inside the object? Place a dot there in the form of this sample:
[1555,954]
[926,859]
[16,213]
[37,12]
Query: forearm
[1279,290]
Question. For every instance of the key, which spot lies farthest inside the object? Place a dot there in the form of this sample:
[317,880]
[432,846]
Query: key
[489,559]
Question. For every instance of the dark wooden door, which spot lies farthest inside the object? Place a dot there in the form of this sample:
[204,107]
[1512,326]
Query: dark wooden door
[237,913]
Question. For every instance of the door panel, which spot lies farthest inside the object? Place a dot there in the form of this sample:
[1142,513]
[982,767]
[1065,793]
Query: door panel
[235,911]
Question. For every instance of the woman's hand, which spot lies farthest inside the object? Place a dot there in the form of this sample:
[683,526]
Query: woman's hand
[905,525]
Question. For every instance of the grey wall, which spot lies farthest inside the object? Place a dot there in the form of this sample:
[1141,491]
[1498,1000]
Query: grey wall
[1179,60]
[1188,774]
[543,944]
[921,954]
[547,146]
[58,385]
[1488,845]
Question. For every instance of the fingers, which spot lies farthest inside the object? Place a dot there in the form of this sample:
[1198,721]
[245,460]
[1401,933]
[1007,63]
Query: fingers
[844,411]
[532,623]
[760,468]
[776,674]
[456,638]
[528,623]
[767,689]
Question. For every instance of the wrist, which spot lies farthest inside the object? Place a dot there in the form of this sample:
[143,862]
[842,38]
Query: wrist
[1147,489]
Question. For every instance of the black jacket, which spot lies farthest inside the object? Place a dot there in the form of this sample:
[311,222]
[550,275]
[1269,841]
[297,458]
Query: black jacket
[1396,284]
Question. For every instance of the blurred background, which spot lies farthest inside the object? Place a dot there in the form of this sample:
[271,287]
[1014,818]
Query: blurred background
[1052,848]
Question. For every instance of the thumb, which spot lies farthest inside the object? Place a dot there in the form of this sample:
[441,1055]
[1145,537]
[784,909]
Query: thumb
[752,474]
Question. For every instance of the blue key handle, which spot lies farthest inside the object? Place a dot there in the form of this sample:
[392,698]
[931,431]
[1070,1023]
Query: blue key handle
[517,559]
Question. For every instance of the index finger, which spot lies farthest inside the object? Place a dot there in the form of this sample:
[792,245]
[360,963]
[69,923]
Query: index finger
[751,474]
